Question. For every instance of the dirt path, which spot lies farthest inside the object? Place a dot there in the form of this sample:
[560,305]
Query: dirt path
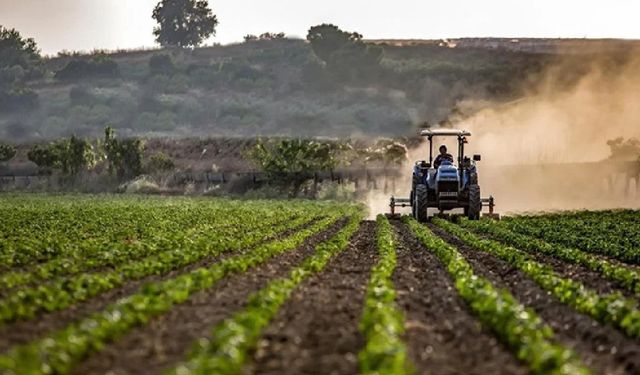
[603,348]
[442,335]
[316,331]
[24,331]
[167,339]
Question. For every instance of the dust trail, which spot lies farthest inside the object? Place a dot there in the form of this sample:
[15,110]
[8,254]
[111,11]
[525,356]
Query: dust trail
[534,149]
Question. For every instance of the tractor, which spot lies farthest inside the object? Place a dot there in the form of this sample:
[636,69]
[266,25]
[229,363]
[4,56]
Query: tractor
[449,186]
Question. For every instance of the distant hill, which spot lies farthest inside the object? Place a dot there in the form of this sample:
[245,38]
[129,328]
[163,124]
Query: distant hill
[279,87]
[527,45]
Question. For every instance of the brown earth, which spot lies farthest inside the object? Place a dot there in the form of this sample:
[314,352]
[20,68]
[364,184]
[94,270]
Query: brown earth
[166,340]
[442,335]
[316,331]
[602,347]
[23,331]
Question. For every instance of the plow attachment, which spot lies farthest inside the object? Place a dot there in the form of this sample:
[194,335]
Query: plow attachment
[406,202]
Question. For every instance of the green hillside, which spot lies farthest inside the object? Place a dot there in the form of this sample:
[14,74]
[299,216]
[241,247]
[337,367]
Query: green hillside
[280,86]
[264,87]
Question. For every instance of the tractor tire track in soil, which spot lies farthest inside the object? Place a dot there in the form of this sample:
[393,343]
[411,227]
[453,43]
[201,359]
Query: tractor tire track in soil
[24,331]
[167,339]
[316,330]
[603,348]
[442,335]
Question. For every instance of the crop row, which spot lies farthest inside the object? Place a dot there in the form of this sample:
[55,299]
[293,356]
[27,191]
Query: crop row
[116,253]
[625,276]
[60,351]
[59,294]
[518,327]
[382,324]
[232,340]
[607,308]
[611,235]
[34,233]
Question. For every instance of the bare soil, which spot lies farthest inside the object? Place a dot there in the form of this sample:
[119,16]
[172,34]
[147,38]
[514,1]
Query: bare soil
[602,347]
[21,332]
[166,340]
[316,331]
[442,335]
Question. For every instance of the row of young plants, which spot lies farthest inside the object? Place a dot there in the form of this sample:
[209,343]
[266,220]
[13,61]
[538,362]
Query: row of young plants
[625,276]
[231,341]
[382,323]
[113,254]
[80,227]
[517,327]
[613,235]
[612,308]
[60,351]
[62,293]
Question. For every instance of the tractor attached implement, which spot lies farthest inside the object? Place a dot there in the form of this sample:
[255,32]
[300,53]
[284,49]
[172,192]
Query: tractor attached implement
[445,186]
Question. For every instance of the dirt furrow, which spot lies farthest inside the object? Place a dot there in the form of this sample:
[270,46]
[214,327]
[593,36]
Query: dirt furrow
[316,331]
[601,347]
[589,278]
[442,335]
[166,340]
[21,332]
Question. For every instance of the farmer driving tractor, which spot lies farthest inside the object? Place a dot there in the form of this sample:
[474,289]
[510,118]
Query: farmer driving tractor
[444,155]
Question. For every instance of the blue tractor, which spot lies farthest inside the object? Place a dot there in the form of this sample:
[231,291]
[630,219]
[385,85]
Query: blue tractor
[445,186]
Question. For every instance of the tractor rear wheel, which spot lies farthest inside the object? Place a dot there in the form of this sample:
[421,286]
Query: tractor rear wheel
[420,201]
[412,202]
[475,203]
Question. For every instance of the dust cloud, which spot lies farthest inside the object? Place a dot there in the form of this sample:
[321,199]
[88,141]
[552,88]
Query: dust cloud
[539,152]
[543,151]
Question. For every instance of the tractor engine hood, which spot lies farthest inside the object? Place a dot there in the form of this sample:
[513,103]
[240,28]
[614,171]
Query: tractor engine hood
[447,172]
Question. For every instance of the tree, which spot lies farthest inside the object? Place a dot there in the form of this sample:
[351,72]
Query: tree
[326,39]
[183,23]
[16,50]
[71,156]
[344,53]
[292,162]
[264,36]
[123,155]
[7,152]
[19,61]
[44,156]
[622,149]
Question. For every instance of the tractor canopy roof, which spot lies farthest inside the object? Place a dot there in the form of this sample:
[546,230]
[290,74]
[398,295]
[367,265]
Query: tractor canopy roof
[444,132]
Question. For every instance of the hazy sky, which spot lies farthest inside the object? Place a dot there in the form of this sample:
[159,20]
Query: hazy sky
[111,24]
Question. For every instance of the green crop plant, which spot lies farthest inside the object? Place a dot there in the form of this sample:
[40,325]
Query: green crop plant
[612,308]
[516,326]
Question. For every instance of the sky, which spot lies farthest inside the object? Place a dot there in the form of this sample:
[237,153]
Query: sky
[84,25]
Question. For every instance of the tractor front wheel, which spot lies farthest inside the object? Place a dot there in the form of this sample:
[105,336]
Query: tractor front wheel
[420,201]
[475,203]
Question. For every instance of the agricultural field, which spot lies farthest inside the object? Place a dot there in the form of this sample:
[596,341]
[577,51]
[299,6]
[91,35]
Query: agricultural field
[178,285]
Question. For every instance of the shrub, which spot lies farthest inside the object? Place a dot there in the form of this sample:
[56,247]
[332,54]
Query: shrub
[71,155]
[159,162]
[80,95]
[18,100]
[161,65]
[7,152]
[291,162]
[124,156]
[101,67]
